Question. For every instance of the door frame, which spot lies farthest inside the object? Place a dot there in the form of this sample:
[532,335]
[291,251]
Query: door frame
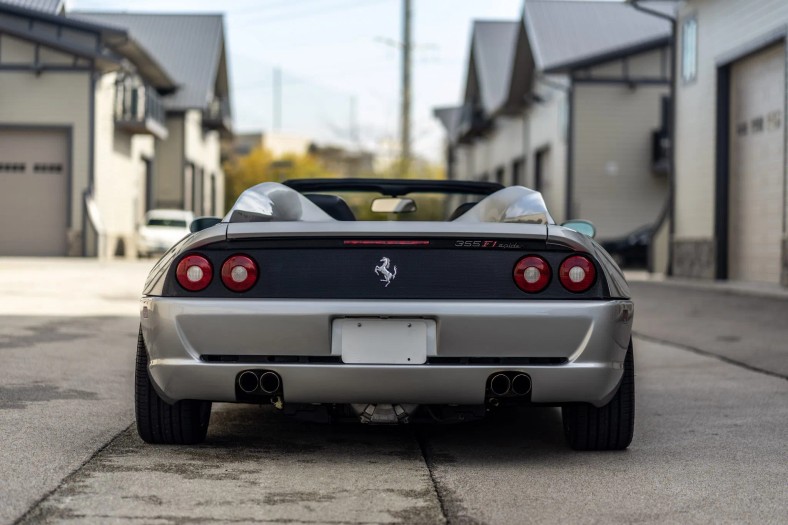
[722,146]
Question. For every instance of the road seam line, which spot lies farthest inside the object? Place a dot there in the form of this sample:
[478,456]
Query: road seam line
[68,477]
[706,353]
[435,485]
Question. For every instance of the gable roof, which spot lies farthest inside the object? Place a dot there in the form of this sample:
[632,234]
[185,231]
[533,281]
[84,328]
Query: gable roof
[189,46]
[452,119]
[53,7]
[568,32]
[490,65]
[110,47]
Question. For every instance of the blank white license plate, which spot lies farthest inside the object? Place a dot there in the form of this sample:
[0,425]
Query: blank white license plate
[383,341]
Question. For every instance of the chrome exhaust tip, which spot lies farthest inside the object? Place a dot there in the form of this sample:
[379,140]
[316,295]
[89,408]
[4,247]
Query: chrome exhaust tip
[521,384]
[247,382]
[270,382]
[500,384]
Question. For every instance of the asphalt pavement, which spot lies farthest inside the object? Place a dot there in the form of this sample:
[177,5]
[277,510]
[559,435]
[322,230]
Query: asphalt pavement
[709,440]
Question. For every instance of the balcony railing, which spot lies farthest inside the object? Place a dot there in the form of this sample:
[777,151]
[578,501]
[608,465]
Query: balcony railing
[139,109]
[217,115]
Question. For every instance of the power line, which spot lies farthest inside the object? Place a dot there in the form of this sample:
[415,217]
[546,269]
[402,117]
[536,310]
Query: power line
[264,9]
[316,12]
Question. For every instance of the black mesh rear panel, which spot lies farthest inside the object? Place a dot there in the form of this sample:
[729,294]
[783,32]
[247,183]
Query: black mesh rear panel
[330,270]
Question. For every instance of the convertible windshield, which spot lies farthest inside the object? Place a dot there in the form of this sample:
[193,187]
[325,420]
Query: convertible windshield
[325,200]
[428,206]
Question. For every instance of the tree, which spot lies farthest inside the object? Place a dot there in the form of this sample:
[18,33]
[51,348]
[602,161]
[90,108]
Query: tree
[259,166]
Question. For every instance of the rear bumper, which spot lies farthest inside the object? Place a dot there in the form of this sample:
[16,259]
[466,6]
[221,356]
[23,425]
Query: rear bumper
[592,337]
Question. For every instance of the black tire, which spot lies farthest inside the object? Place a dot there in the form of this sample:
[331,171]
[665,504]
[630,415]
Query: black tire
[609,427]
[182,423]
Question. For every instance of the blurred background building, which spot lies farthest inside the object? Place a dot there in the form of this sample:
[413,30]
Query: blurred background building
[104,117]
[571,100]
[730,210]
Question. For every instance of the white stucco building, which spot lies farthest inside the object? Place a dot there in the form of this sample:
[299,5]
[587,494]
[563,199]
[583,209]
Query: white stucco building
[570,100]
[101,119]
[729,212]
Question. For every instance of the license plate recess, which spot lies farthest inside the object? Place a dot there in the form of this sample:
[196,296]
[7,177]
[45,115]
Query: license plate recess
[383,341]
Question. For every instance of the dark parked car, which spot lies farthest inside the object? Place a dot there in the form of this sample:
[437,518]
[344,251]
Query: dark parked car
[631,251]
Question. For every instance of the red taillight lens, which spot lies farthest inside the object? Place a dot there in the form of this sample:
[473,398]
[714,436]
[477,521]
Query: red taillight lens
[239,273]
[577,273]
[532,274]
[194,273]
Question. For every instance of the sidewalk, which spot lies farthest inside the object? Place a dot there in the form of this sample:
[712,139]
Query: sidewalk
[739,323]
[71,286]
[744,288]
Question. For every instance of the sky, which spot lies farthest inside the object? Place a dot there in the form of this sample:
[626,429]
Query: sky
[340,62]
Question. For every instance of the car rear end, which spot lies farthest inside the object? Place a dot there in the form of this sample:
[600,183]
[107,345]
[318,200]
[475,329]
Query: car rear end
[387,313]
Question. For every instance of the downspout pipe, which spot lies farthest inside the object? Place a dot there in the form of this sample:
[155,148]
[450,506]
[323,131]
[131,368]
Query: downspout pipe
[668,212]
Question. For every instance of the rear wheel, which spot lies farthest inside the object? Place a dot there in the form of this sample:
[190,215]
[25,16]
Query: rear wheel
[609,427]
[182,423]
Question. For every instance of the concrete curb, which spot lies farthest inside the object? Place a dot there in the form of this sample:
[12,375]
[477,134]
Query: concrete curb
[762,290]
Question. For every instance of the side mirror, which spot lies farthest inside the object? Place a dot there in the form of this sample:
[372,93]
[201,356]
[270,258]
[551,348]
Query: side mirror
[201,223]
[587,228]
[393,205]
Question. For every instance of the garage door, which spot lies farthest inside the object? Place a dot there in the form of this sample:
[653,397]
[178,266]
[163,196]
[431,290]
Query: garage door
[33,192]
[757,172]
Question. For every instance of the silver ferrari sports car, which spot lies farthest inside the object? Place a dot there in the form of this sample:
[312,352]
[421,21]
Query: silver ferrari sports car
[387,301]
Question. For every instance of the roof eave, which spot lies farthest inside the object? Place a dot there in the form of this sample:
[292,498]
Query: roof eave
[608,56]
[147,66]
[105,62]
[104,31]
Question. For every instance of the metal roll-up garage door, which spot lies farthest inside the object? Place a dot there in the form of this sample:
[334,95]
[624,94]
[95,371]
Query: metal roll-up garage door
[34,187]
[757,165]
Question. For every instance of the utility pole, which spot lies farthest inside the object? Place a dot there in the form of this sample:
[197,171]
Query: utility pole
[353,126]
[277,99]
[406,67]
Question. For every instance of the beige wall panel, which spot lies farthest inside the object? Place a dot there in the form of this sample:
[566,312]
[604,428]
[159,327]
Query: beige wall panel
[16,51]
[547,128]
[49,56]
[611,69]
[120,172]
[464,167]
[53,98]
[757,166]
[723,26]
[648,64]
[169,165]
[613,184]
[203,148]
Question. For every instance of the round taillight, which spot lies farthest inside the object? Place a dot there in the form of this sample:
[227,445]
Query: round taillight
[577,273]
[239,273]
[194,273]
[532,274]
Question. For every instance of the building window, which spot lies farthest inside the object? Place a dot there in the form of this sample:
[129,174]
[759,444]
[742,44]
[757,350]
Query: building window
[689,49]
[500,173]
[517,172]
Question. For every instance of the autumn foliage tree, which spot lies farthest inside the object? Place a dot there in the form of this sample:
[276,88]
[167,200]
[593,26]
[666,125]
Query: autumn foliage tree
[259,166]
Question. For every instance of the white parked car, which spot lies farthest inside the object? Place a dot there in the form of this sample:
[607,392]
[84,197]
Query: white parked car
[161,230]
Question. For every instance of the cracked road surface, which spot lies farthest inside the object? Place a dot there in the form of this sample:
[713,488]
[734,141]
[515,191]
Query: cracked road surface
[709,444]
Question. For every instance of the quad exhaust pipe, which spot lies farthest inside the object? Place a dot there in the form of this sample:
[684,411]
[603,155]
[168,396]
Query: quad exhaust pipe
[267,382]
[247,382]
[521,384]
[500,384]
[510,384]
